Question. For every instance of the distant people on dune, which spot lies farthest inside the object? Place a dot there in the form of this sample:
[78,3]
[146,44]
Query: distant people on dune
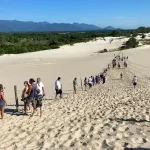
[85,83]
[121,75]
[90,83]
[58,88]
[134,81]
[3,102]
[93,80]
[108,66]
[104,77]
[125,64]
[96,79]
[75,85]
[119,65]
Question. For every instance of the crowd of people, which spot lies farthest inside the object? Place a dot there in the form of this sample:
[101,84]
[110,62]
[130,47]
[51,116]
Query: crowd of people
[33,92]
[91,81]
[32,95]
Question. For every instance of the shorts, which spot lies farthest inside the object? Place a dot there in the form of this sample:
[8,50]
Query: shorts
[58,91]
[39,105]
[90,84]
[2,103]
[30,100]
[134,84]
[75,88]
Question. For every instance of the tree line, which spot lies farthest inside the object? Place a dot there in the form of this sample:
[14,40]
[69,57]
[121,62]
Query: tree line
[15,43]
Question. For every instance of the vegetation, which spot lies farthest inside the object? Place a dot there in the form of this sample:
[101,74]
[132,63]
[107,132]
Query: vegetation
[143,36]
[15,43]
[131,43]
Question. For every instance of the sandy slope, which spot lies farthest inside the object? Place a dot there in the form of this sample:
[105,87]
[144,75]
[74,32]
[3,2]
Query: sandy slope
[67,62]
[106,117]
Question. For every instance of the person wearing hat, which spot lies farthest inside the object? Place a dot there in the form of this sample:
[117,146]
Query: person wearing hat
[3,102]
[58,87]
[75,85]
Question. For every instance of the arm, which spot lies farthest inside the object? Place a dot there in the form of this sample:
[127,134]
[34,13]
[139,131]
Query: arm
[30,89]
[43,90]
[3,98]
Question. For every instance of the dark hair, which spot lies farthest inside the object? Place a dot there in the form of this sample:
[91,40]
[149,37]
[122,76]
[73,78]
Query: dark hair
[32,80]
[59,78]
[26,82]
[38,78]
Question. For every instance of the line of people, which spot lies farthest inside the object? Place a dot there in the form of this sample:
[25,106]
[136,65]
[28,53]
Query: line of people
[91,81]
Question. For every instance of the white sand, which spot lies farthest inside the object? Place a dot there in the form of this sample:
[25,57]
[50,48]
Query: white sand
[88,120]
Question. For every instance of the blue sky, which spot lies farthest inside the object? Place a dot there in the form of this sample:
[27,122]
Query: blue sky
[117,13]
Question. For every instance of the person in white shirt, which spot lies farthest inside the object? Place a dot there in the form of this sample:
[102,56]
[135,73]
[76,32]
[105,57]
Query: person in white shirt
[90,82]
[134,81]
[40,86]
[75,84]
[58,87]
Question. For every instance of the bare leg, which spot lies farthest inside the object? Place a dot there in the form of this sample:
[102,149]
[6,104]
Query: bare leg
[2,112]
[60,95]
[56,96]
[75,91]
[34,108]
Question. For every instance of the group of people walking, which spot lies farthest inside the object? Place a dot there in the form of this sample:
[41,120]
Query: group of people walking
[91,81]
[32,95]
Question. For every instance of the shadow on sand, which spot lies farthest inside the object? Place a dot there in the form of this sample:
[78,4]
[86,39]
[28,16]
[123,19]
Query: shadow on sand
[137,149]
[134,120]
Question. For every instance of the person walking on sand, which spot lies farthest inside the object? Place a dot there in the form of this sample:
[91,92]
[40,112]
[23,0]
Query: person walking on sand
[25,94]
[40,86]
[119,65]
[134,81]
[121,75]
[3,102]
[90,83]
[38,98]
[93,80]
[75,85]
[58,87]
[32,94]
[85,83]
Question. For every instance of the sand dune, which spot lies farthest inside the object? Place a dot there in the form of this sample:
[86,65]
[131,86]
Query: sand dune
[110,116]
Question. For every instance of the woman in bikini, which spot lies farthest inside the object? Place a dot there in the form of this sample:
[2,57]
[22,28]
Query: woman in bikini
[3,102]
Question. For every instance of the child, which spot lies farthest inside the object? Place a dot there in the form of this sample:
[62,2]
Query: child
[39,101]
